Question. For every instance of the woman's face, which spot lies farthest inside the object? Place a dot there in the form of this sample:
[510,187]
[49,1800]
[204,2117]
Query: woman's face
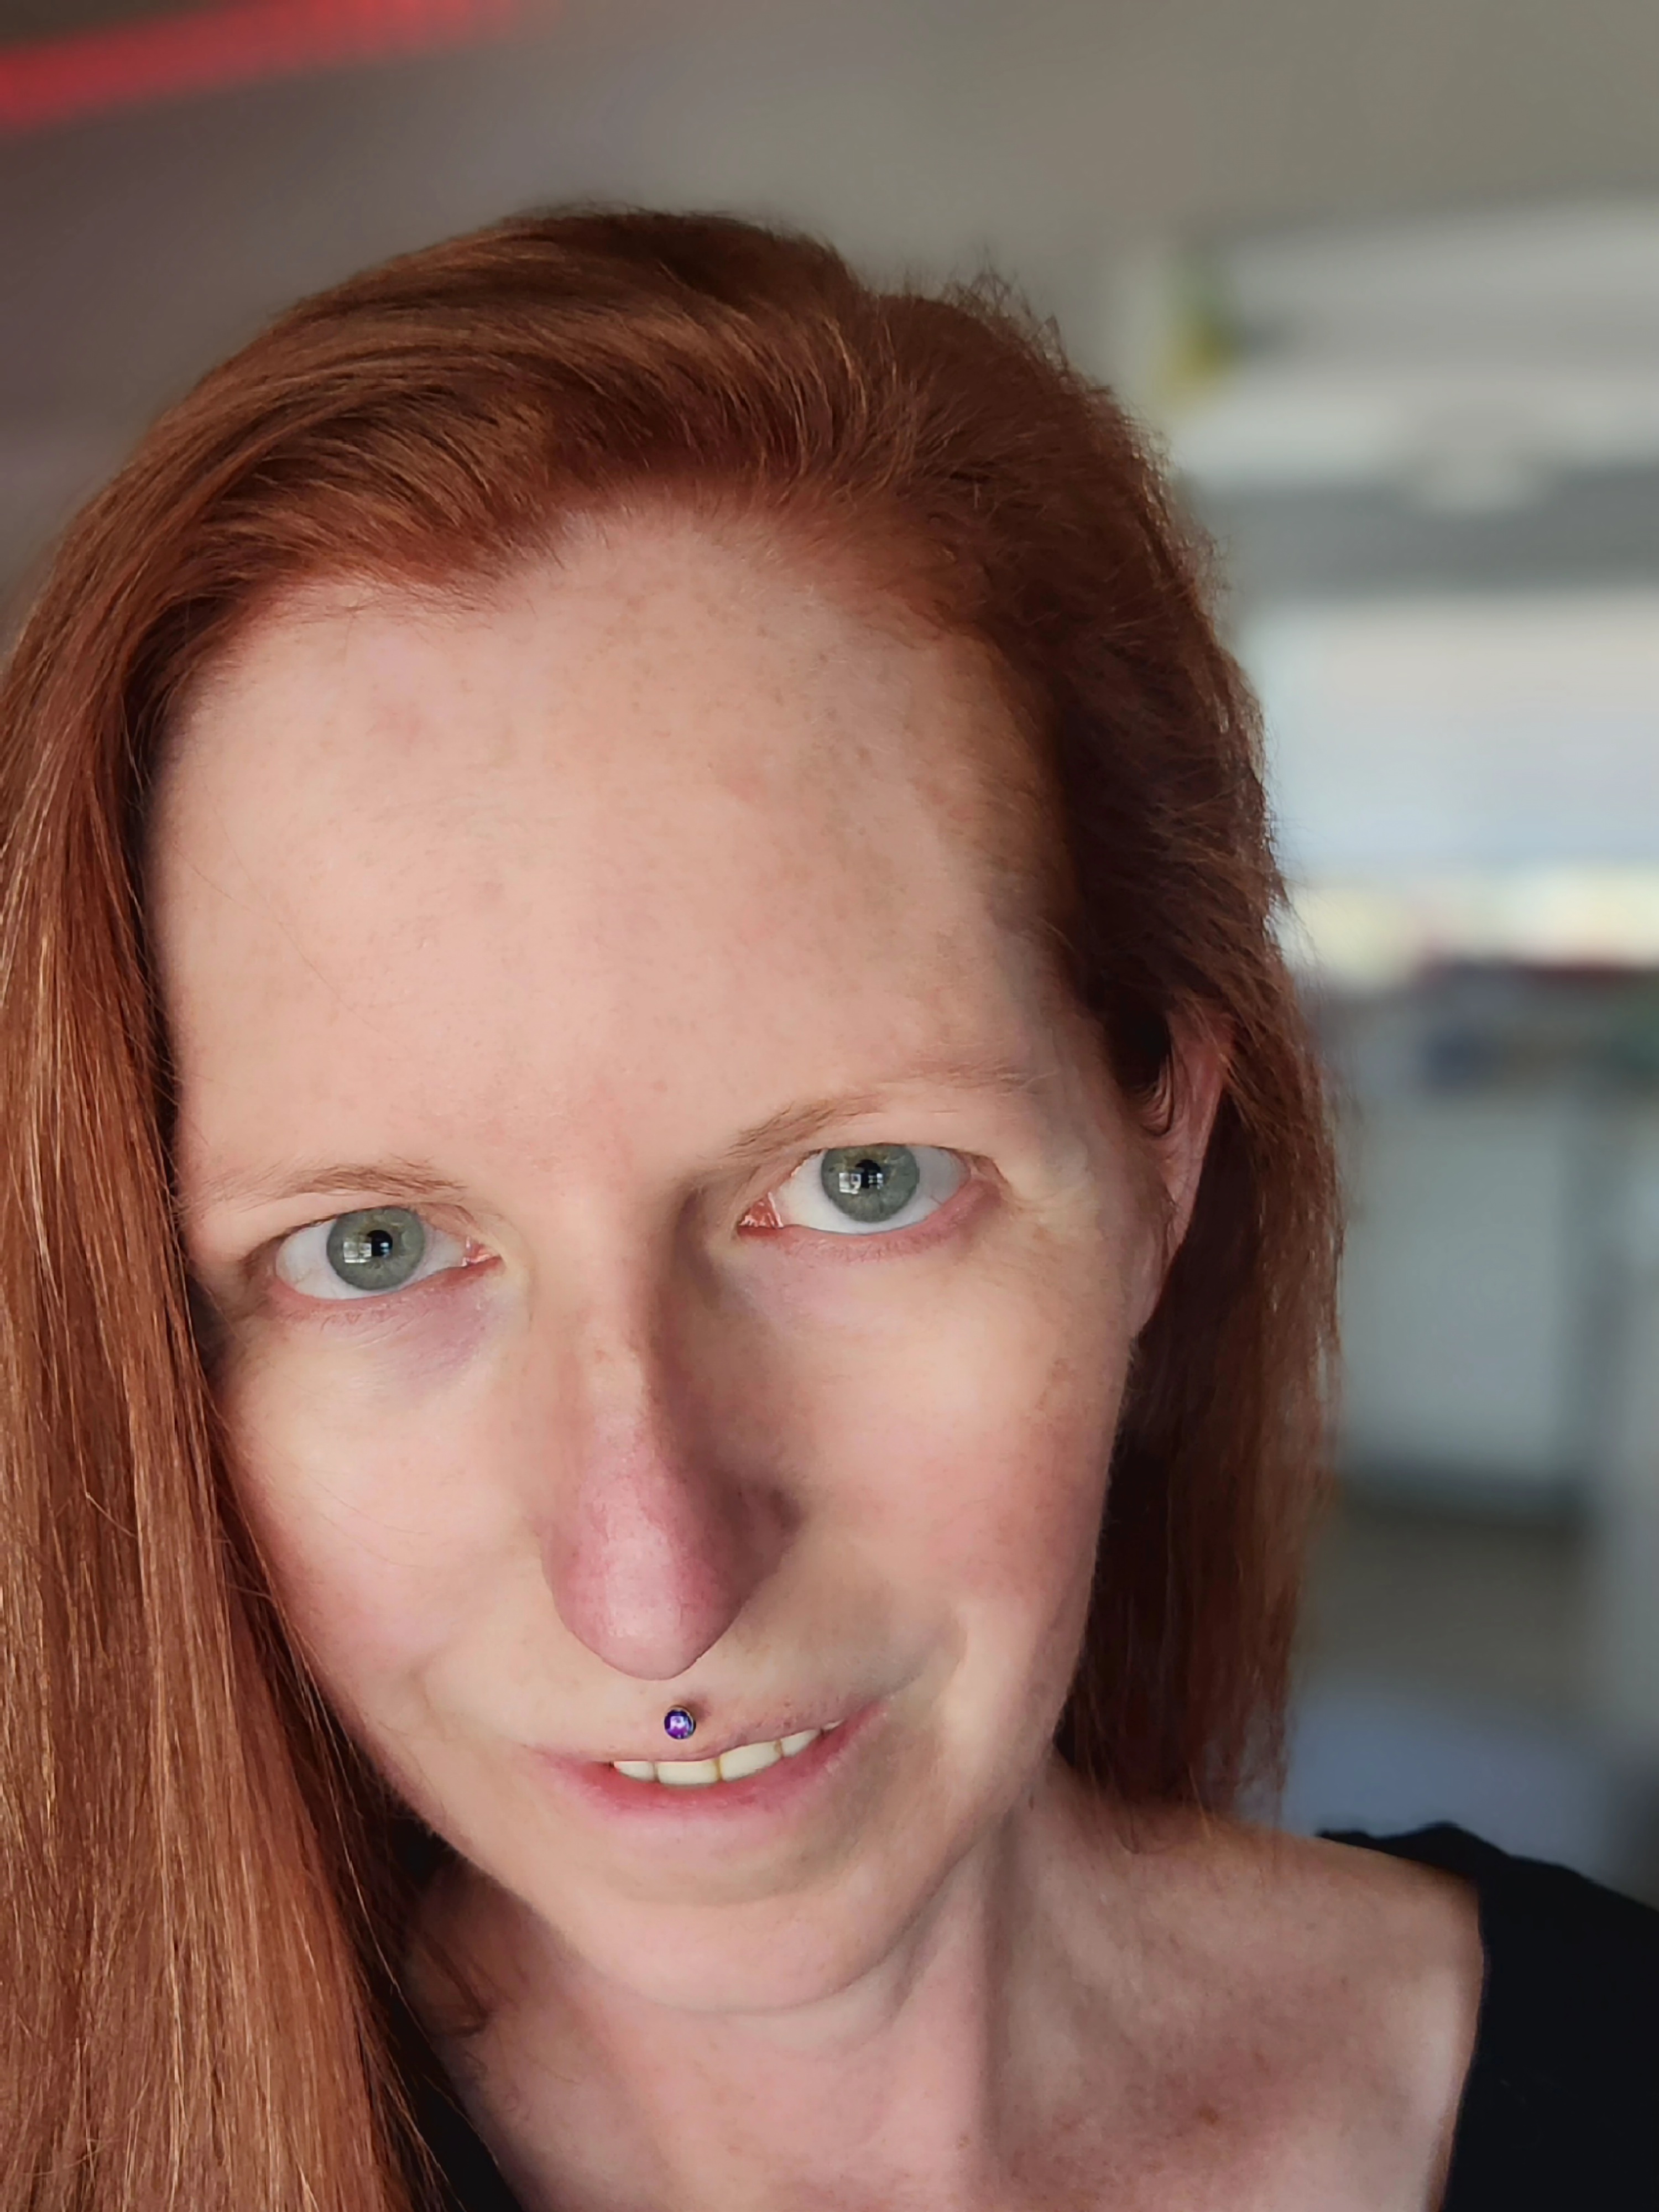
[671,1249]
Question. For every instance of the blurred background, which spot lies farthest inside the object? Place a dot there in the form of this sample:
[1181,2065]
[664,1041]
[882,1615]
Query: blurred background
[1382,275]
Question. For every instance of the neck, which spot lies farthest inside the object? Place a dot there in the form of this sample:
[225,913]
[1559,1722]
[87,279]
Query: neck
[938,2077]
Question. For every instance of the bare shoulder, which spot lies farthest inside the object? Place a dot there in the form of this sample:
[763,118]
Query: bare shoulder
[1365,1918]
[1261,1895]
[1367,1954]
[1322,1999]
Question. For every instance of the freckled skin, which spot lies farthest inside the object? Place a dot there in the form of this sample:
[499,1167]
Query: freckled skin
[558,898]
[554,897]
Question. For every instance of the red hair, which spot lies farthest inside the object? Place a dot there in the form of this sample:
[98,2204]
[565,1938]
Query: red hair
[196,1946]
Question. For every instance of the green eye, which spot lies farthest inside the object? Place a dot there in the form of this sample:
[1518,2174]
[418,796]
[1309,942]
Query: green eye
[870,1182]
[376,1250]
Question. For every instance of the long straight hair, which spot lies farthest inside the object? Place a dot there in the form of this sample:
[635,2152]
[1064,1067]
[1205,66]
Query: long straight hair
[199,1939]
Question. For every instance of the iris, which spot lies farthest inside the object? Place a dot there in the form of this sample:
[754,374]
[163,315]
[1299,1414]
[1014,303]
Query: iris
[377,1249]
[870,1182]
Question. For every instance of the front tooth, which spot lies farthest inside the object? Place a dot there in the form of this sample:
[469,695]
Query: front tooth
[747,1759]
[688,1773]
[792,1744]
[636,1770]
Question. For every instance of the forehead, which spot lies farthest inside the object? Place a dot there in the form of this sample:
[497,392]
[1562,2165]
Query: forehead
[660,784]
[645,654]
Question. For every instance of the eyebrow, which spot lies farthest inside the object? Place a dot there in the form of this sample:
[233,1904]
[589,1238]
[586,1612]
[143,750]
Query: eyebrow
[391,1179]
[415,1182]
[796,1125]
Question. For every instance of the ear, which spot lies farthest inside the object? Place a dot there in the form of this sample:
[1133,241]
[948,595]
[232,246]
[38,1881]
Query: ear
[1201,1053]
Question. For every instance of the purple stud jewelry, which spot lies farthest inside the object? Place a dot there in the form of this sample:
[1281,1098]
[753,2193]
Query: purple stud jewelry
[678,1723]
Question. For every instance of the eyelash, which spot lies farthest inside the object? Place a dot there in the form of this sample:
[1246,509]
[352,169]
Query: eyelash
[862,1239]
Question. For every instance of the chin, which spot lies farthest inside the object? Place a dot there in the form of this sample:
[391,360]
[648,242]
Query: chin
[769,1955]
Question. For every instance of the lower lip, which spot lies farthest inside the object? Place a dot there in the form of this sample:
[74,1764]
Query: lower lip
[785,1788]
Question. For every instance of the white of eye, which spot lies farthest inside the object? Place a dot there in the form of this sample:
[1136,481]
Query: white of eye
[302,1262]
[802,1202]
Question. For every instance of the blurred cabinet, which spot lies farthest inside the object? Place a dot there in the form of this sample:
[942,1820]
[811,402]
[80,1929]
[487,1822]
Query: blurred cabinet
[1468,1299]
[1625,1491]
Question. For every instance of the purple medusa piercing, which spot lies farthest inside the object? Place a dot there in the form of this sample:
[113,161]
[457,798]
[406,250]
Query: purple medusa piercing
[678,1723]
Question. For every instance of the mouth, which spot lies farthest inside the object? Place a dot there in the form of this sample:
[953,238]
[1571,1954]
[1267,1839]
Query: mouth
[740,1792]
[736,1764]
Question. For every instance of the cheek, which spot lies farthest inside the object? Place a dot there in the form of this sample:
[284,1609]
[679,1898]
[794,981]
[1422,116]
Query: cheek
[366,1497]
[967,1447]
[970,1490]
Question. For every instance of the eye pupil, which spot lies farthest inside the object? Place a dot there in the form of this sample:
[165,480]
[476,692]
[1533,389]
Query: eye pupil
[379,1249]
[866,1175]
[870,1182]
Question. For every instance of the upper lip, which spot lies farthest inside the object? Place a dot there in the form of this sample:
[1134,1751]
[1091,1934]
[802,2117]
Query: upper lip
[694,1747]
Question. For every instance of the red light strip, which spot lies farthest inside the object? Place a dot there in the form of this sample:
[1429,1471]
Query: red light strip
[236,42]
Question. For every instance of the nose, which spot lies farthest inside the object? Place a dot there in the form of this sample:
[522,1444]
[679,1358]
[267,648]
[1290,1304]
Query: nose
[655,1540]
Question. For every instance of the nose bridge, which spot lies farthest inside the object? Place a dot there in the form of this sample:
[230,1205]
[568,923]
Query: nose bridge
[651,1542]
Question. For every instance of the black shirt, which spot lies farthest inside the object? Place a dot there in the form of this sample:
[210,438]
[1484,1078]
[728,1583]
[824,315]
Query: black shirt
[1560,2105]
